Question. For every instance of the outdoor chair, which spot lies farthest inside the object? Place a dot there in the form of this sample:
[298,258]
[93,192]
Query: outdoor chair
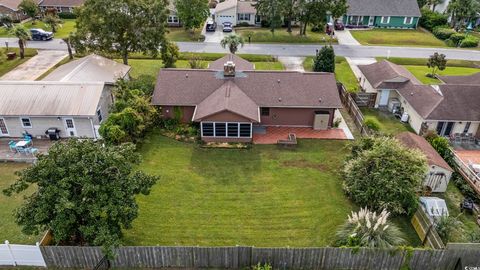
[12,147]
[457,138]
[32,151]
[21,150]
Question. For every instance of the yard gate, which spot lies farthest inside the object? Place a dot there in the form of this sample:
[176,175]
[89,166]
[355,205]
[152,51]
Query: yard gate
[21,255]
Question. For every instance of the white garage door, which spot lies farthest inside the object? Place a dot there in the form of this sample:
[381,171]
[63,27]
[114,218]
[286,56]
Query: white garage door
[220,19]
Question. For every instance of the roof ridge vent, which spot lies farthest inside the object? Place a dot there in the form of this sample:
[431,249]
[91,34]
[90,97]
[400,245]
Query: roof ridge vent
[227,90]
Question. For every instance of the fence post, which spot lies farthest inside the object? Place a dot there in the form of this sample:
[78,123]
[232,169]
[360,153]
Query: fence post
[14,263]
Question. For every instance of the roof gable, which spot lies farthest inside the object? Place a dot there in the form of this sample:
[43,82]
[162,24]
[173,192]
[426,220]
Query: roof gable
[387,75]
[240,63]
[225,5]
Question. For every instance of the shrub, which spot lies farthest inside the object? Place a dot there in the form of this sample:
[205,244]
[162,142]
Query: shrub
[265,266]
[431,19]
[380,173]
[372,123]
[325,60]
[469,42]
[243,24]
[450,43]
[446,226]
[67,15]
[443,33]
[457,37]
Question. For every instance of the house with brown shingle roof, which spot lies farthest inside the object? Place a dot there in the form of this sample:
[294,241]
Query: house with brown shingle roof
[228,103]
[448,109]
[61,6]
[473,79]
[439,172]
[10,8]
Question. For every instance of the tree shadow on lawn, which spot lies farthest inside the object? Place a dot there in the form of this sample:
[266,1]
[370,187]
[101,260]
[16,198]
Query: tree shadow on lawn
[226,166]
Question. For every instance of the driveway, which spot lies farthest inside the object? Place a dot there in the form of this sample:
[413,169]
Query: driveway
[344,37]
[217,36]
[35,67]
[292,63]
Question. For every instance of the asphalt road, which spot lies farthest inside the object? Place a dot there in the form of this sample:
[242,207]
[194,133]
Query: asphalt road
[291,49]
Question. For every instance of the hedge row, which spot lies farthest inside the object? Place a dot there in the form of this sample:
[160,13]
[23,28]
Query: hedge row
[454,39]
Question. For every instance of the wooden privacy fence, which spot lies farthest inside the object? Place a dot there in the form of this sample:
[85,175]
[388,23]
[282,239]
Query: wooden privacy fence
[352,108]
[426,230]
[280,258]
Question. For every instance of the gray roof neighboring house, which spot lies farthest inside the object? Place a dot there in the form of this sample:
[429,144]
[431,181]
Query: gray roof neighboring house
[62,3]
[240,63]
[13,4]
[470,79]
[383,8]
[38,98]
[246,7]
[92,68]
[387,75]
[225,5]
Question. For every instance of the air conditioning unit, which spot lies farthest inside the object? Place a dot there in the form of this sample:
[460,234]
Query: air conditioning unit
[405,117]
[394,105]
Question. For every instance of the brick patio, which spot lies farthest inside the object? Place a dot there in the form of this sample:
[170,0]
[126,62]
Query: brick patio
[273,134]
[7,155]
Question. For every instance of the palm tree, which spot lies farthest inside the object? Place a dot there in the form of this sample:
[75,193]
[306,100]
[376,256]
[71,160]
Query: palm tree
[232,41]
[53,21]
[369,229]
[23,35]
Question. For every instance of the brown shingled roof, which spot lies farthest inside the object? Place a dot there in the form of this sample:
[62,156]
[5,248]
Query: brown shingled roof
[62,3]
[187,87]
[470,79]
[240,63]
[387,75]
[414,141]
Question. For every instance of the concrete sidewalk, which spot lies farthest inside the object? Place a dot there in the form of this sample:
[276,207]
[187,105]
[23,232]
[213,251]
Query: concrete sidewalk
[292,63]
[344,37]
[35,67]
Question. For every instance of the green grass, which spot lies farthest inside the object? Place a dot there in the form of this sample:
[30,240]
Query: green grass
[68,26]
[396,37]
[421,71]
[268,66]
[423,62]
[453,198]
[8,65]
[343,72]
[263,35]
[263,196]
[179,34]
[388,123]
[8,229]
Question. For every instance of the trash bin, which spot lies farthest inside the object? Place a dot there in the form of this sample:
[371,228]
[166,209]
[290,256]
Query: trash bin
[53,133]
[11,55]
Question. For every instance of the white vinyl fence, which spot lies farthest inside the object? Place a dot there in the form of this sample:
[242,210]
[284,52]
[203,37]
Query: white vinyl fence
[21,255]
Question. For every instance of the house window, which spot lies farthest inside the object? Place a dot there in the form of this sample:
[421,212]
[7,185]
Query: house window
[26,123]
[172,19]
[245,130]
[467,127]
[59,9]
[408,20]
[265,111]
[220,129]
[99,115]
[69,123]
[230,130]
[207,129]
[385,20]
[243,17]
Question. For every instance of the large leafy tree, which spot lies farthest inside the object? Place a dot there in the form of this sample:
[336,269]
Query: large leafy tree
[436,62]
[29,7]
[290,9]
[366,228]
[20,32]
[463,11]
[121,26]
[382,174]
[315,12]
[272,11]
[53,21]
[192,13]
[85,193]
[325,60]
[169,53]
[232,42]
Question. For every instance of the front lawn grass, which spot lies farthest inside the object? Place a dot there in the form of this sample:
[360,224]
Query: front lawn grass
[263,196]
[343,72]
[264,35]
[423,62]
[68,26]
[421,71]
[8,228]
[268,66]
[397,37]
[180,34]
[388,123]
[9,65]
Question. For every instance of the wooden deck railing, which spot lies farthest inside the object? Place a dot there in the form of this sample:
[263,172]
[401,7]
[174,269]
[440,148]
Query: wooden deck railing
[468,174]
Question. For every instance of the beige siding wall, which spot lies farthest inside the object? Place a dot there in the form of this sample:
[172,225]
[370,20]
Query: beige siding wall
[415,120]
[231,13]
[250,22]
[83,126]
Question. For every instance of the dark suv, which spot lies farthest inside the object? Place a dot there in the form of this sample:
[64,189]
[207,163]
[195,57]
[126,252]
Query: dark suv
[40,34]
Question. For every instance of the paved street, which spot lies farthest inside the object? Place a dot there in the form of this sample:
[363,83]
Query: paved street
[354,51]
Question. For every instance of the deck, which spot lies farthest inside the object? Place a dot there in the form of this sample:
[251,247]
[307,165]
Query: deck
[8,155]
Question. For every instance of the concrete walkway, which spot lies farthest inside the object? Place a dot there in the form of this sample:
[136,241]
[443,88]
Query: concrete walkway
[343,125]
[292,63]
[355,62]
[35,67]
[344,37]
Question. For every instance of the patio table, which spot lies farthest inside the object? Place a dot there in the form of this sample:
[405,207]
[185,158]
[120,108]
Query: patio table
[21,144]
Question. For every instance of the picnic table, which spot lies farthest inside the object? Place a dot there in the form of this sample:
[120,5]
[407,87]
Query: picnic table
[22,144]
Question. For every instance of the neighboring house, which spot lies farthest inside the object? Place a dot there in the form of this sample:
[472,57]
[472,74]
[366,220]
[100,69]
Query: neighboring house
[382,13]
[172,19]
[61,6]
[439,172]
[10,8]
[229,104]
[92,68]
[236,12]
[447,109]
[76,109]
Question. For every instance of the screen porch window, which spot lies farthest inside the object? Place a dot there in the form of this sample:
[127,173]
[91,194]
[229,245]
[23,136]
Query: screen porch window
[408,20]
[265,111]
[226,130]
[385,19]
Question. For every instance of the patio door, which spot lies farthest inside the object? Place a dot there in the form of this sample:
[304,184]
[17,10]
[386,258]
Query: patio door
[445,128]
[3,128]
[371,20]
[70,127]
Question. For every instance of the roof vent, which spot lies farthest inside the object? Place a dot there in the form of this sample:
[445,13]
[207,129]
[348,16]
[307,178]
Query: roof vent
[320,100]
[229,69]
[186,75]
[279,99]
[278,81]
[411,93]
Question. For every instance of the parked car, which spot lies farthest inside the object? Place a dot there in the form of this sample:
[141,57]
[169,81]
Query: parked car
[211,26]
[339,25]
[40,34]
[227,27]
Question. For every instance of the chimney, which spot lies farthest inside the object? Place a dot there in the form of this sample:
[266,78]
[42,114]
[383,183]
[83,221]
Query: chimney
[229,69]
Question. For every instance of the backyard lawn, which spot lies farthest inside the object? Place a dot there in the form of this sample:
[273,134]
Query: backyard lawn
[68,26]
[388,123]
[343,72]
[263,196]
[8,229]
[264,35]
[394,37]
[7,66]
[421,71]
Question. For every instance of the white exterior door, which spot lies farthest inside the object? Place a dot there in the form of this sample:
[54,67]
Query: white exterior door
[371,20]
[384,98]
[3,128]
[70,129]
